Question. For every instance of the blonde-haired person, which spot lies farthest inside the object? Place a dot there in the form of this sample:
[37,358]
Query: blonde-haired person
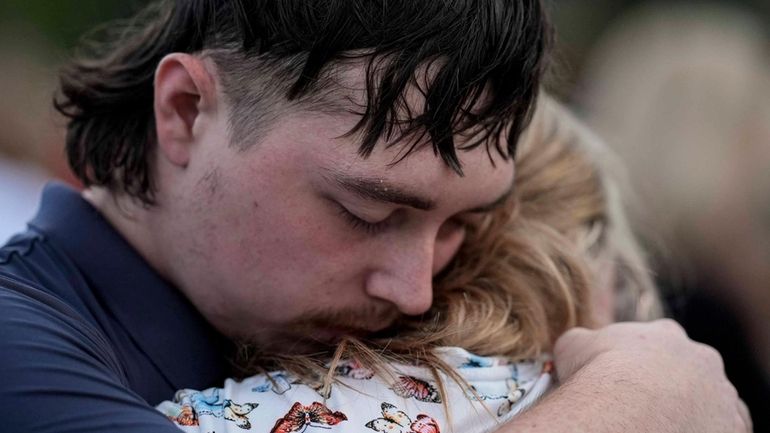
[557,255]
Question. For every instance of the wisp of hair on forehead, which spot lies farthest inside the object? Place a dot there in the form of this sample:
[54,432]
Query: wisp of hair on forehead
[486,59]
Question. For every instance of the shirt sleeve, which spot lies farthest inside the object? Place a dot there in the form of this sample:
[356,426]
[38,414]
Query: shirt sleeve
[57,374]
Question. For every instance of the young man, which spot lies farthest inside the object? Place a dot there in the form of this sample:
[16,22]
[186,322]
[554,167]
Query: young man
[283,173]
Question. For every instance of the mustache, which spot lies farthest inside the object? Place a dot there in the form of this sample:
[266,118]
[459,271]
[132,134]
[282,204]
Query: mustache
[363,320]
[296,338]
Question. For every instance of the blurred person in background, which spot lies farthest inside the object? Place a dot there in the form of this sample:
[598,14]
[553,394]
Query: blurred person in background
[684,97]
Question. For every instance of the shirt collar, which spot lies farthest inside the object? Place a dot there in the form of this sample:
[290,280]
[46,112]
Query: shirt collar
[162,322]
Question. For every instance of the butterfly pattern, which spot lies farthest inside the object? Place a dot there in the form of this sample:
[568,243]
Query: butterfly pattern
[475,361]
[353,369]
[185,416]
[515,394]
[394,420]
[279,383]
[516,391]
[300,417]
[411,387]
[277,399]
[194,404]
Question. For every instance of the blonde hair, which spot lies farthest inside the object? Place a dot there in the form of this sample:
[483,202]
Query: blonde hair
[526,272]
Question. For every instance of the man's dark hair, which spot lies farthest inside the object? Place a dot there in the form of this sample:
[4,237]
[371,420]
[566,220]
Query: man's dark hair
[486,59]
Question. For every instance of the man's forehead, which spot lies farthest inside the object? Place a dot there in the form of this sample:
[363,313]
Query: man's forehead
[341,90]
[346,92]
[342,87]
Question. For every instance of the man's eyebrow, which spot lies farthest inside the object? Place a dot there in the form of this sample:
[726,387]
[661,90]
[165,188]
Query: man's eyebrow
[375,189]
[382,191]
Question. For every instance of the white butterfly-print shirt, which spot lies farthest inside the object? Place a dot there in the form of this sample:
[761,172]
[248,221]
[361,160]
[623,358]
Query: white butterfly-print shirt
[406,401]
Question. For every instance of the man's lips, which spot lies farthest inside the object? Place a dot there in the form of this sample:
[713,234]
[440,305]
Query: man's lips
[333,328]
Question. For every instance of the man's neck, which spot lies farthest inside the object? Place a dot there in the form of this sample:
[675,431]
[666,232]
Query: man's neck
[132,219]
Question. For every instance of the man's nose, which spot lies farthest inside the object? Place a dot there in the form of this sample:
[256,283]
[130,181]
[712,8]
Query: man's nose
[404,277]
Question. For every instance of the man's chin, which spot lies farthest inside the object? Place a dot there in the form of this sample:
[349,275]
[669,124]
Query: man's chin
[254,356]
[319,341]
[316,336]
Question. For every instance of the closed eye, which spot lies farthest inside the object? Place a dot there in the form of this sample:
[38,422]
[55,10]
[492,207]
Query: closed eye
[358,223]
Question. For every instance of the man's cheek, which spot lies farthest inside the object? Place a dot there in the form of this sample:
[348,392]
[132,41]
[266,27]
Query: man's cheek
[320,234]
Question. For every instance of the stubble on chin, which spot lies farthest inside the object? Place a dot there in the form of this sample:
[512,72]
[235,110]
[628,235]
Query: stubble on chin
[314,336]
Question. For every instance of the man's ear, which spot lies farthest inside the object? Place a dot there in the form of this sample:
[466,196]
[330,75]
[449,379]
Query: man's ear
[184,92]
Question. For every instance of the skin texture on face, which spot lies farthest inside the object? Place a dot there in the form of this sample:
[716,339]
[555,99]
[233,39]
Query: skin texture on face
[298,238]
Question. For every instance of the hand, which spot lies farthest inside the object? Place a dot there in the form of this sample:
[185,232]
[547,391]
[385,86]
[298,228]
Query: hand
[656,377]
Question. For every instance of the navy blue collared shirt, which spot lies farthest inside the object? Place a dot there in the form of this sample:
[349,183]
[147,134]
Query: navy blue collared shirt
[91,337]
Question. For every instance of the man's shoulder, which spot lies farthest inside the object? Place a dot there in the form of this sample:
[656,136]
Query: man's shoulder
[27,270]
[30,259]
[29,313]
[19,247]
[59,371]
[20,296]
